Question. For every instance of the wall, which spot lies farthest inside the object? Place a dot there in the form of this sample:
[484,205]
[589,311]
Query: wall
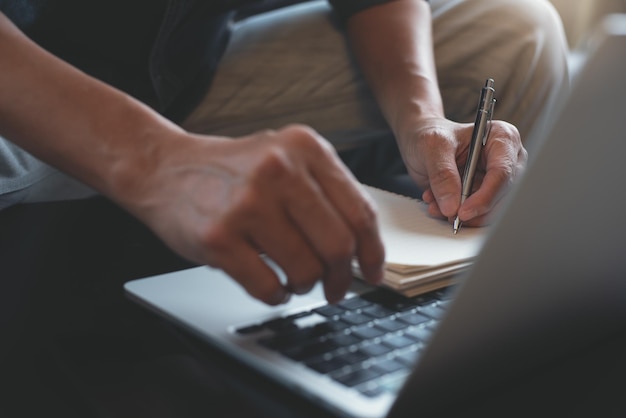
[579,16]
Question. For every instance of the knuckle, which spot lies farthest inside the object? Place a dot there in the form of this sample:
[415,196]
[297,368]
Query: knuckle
[522,156]
[297,129]
[276,164]
[371,260]
[442,174]
[342,249]
[375,258]
[246,206]
[306,138]
[216,240]
[504,175]
[266,133]
[508,131]
[302,284]
[363,216]
[265,292]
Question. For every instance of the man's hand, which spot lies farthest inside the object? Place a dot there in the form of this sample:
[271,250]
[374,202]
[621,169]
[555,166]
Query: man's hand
[436,155]
[282,193]
[213,200]
[394,46]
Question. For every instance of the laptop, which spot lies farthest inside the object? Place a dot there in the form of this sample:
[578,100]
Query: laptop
[549,279]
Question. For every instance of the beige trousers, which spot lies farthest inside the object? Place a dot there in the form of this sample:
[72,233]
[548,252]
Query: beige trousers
[293,66]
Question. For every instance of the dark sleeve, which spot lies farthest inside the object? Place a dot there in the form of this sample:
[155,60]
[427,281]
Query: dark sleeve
[346,8]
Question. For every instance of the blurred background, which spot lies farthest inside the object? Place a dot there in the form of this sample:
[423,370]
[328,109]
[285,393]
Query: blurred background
[580,16]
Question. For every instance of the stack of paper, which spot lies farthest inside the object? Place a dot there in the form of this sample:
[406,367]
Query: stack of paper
[422,253]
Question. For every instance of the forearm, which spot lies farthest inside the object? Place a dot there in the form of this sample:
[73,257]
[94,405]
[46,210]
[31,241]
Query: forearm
[393,44]
[71,120]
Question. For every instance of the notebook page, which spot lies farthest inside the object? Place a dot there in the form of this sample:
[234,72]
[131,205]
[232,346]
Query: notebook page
[414,240]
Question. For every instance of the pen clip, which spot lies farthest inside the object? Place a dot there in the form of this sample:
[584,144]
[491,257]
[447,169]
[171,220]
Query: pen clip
[492,103]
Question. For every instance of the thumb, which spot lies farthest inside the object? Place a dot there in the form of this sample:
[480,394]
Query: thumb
[445,183]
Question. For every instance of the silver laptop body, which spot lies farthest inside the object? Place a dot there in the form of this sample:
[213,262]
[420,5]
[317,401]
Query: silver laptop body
[552,270]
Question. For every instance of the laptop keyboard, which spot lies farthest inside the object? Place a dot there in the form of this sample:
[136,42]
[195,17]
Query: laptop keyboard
[367,342]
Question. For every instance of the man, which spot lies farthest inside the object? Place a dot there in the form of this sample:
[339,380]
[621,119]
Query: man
[164,107]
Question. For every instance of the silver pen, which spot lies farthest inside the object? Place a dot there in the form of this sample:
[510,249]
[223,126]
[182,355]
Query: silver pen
[479,138]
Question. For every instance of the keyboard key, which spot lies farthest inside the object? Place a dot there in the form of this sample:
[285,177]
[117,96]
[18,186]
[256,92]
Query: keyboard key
[412,318]
[419,333]
[354,303]
[325,366]
[393,383]
[250,329]
[352,357]
[280,324]
[391,300]
[299,315]
[388,365]
[331,326]
[409,358]
[397,341]
[391,325]
[367,332]
[432,311]
[329,310]
[355,318]
[356,377]
[444,304]
[286,339]
[375,349]
[426,299]
[328,363]
[378,311]
[371,390]
[344,340]
[309,351]
[445,294]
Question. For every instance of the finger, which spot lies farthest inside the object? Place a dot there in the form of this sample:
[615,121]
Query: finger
[328,235]
[504,160]
[444,181]
[285,244]
[242,262]
[480,201]
[487,198]
[348,213]
[433,207]
[428,196]
[285,176]
[358,211]
[483,220]
[370,250]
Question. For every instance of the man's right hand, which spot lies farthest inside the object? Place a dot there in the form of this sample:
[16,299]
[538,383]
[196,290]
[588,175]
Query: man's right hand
[214,201]
[281,193]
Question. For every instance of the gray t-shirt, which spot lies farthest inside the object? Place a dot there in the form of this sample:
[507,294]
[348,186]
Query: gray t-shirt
[18,169]
[24,178]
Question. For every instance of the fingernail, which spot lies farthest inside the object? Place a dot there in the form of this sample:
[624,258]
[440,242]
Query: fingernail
[334,299]
[281,297]
[468,214]
[286,298]
[447,204]
[377,276]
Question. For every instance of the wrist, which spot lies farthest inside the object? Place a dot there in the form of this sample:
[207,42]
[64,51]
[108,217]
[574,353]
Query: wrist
[417,104]
[129,154]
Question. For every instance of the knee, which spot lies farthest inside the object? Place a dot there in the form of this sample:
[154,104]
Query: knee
[510,33]
[535,23]
[521,44]
[529,34]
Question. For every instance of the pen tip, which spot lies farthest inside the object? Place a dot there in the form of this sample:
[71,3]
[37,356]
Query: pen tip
[456,225]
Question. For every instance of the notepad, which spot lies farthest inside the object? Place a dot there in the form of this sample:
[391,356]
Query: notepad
[422,253]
